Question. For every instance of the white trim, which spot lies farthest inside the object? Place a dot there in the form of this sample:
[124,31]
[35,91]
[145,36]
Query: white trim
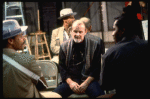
[20,67]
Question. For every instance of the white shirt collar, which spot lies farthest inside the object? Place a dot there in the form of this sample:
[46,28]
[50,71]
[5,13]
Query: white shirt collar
[66,34]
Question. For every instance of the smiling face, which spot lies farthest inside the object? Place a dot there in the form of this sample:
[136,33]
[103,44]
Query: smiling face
[78,31]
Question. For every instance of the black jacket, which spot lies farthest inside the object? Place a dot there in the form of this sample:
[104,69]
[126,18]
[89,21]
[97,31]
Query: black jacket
[94,47]
[124,67]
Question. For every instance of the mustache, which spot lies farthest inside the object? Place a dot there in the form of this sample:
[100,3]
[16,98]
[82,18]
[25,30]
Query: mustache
[24,42]
[77,37]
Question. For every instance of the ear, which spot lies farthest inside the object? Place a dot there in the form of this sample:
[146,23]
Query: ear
[86,30]
[11,41]
[90,28]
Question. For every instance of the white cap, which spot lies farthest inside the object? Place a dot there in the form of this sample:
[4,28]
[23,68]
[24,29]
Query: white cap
[66,12]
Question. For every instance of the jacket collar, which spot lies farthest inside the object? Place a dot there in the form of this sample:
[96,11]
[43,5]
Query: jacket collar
[10,52]
[125,39]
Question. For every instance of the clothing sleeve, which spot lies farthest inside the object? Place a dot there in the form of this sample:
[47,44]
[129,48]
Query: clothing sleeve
[108,72]
[55,42]
[96,63]
[62,65]
[102,46]
[29,62]
[34,67]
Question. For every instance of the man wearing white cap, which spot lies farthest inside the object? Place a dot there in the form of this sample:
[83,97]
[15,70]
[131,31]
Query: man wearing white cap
[17,84]
[61,34]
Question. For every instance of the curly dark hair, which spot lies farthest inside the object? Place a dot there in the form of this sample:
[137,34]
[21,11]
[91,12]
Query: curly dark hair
[129,21]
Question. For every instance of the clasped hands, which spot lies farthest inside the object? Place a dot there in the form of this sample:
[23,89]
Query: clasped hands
[79,89]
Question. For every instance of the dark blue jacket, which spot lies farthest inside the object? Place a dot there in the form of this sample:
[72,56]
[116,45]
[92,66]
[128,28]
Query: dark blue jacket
[124,67]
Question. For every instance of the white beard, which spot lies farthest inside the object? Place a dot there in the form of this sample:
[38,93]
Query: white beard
[77,40]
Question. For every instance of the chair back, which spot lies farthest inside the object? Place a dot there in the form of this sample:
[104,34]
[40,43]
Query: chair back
[50,72]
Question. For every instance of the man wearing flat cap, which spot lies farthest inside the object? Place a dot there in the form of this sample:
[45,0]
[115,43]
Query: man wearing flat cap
[61,34]
[17,84]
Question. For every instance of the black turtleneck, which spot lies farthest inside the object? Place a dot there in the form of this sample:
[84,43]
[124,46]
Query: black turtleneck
[77,59]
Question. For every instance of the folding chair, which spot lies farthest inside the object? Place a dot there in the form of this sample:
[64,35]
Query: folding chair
[50,73]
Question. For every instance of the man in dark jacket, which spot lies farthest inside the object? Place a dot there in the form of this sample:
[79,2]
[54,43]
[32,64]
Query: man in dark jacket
[124,64]
[80,63]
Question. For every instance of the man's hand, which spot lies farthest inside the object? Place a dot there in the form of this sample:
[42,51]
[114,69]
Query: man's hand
[83,87]
[79,89]
[73,85]
[85,84]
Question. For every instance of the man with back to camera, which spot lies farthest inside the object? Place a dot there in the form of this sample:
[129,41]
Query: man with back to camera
[17,84]
[126,62]
[79,63]
[61,34]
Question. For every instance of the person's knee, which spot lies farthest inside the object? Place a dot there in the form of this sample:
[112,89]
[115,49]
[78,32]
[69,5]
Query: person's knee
[64,90]
[94,90]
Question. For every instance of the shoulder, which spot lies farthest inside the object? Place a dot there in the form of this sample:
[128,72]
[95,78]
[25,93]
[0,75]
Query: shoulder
[26,57]
[93,38]
[29,62]
[18,56]
[57,29]
[113,53]
[141,42]
[26,60]
[125,47]
[66,44]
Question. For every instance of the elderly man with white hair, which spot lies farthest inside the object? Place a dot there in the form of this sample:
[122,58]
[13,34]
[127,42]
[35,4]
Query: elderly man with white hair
[80,63]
